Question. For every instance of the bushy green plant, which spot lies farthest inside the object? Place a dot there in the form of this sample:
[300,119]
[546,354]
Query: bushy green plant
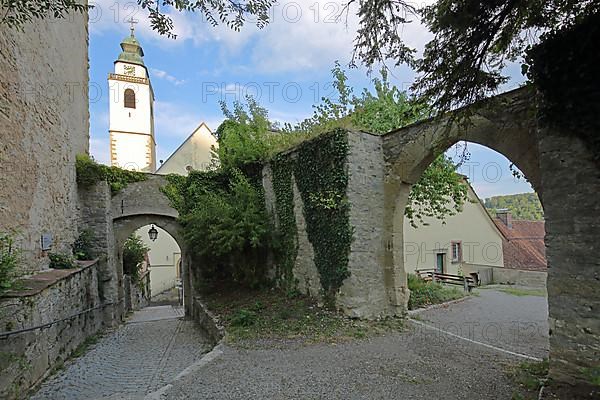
[61,261]
[424,293]
[134,253]
[82,248]
[229,229]
[440,192]
[243,318]
[89,172]
[9,262]
[243,135]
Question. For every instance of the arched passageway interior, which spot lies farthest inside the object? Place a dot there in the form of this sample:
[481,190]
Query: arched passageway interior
[496,237]
[173,251]
[164,259]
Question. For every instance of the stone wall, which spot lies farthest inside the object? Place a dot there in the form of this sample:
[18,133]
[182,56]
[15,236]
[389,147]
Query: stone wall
[519,277]
[364,293]
[571,182]
[208,322]
[68,296]
[44,123]
[96,216]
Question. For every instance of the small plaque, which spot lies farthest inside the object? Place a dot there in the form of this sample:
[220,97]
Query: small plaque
[46,241]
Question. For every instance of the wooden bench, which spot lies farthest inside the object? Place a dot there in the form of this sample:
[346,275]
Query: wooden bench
[467,282]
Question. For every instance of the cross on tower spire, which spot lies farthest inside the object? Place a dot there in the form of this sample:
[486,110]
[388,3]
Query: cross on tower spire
[132,22]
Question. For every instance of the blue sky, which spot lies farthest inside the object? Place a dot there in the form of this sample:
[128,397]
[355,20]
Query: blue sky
[286,66]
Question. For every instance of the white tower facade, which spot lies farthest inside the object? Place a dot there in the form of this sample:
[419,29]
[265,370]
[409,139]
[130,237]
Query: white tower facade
[131,110]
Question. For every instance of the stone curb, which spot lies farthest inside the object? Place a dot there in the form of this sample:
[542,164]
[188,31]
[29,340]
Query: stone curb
[206,359]
[436,306]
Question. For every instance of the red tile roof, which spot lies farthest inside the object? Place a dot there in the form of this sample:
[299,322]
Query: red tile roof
[523,246]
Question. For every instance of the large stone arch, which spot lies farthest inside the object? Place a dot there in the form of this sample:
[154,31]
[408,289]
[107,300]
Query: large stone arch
[140,204]
[560,167]
[505,124]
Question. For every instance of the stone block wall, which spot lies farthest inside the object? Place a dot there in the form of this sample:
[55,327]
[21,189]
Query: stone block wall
[571,182]
[363,294]
[96,215]
[44,124]
[25,358]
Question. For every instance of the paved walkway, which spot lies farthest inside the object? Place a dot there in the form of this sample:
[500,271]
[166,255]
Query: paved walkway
[137,358]
[419,364]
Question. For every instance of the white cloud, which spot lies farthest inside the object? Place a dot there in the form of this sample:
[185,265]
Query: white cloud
[166,76]
[174,120]
[302,35]
[100,149]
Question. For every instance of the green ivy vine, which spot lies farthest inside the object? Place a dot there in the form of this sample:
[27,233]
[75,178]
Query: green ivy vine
[89,172]
[287,239]
[322,178]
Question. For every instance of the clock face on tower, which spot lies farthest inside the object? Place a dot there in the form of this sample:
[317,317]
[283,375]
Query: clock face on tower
[129,70]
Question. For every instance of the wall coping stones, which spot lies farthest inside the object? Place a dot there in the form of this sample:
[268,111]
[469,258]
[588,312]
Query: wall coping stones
[36,283]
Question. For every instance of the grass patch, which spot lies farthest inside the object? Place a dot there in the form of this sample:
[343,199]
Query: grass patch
[523,292]
[529,377]
[273,314]
[85,346]
[424,293]
[592,375]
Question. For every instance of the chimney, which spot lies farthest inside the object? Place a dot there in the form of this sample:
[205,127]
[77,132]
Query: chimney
[505,216]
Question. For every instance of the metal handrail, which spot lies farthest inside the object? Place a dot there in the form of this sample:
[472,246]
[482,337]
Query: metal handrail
[7,334]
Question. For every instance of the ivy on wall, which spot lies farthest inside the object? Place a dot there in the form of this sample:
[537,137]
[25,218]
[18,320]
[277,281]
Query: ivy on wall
[287,239]
[89,172]
[320,171]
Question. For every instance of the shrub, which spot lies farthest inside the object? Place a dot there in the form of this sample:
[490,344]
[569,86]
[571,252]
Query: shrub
[244,318]
[9,261]
[424,293]
[134,252]
[226,227]
[82,248]
[61,261]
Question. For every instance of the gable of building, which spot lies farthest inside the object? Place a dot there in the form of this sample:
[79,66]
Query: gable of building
[195,153]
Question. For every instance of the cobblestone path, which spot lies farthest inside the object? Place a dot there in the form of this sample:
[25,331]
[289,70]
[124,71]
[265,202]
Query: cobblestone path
[136,358]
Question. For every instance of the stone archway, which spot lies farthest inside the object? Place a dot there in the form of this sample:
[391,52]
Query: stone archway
[140,204]
[560,168]
[504,124]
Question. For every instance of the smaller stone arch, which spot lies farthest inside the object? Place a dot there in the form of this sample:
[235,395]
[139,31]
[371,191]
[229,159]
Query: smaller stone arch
[140,204]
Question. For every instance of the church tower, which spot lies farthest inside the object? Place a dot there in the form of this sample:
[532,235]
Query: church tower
[131,110]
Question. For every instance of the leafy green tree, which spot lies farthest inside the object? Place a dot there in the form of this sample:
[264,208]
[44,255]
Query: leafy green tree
[231,13]
[440,192]
[472,43]
[134,253]
[242,137]
[225,225]
[524,206]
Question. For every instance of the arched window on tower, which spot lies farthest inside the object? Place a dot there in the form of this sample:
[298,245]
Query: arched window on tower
[129,98]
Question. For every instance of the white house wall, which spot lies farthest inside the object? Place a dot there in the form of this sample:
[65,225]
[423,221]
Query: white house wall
[164,255]
[480,239]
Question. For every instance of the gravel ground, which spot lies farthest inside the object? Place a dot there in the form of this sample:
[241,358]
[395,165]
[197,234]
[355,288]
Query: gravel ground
[515,323]
[417,364]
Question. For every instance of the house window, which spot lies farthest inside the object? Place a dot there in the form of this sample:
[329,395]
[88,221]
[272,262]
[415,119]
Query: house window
[456,251]
[129,98]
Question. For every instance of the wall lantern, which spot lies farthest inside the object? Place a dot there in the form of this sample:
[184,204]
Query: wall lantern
[153,233]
